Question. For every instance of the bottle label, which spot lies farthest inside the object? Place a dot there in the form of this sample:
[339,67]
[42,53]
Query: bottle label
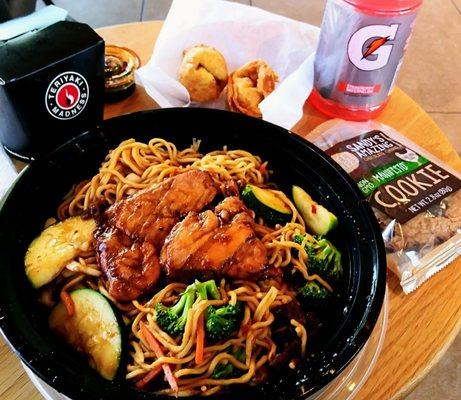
[359,54]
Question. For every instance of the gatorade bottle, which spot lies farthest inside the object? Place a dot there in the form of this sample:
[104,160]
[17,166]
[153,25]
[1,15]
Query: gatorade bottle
[360,51]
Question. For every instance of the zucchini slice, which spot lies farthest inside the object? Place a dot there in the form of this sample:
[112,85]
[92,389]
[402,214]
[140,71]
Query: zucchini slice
[266,204]
[55,247]
[92,330]
[317,218]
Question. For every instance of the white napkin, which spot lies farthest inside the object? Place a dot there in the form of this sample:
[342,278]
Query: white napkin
[241,33]
[39,19]
[284,106]
[7,172]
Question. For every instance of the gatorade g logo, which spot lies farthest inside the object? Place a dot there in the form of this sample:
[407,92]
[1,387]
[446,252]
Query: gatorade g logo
[67,95]
[368,49]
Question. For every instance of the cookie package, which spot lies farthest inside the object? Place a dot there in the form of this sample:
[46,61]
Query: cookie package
[416,197]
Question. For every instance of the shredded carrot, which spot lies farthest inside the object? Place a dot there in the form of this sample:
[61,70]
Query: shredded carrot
[263,167]
[200,340]
[155,347]
[148,377]
[68,303]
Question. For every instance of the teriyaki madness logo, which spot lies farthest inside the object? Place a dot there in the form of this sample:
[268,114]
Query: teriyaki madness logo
[67,95]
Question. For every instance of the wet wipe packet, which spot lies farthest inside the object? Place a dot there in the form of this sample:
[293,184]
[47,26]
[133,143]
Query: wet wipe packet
[416,197]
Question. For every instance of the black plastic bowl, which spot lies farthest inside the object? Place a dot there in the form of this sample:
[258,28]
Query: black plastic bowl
[41,187]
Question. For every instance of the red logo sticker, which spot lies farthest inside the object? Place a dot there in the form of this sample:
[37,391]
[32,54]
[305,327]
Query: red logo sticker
[67,95]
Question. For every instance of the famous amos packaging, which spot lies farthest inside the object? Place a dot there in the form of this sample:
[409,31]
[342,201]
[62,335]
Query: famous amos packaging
[415,196]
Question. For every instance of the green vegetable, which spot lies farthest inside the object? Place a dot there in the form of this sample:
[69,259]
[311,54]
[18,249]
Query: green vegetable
[323,258]
[266,204]
[226,371]
[173,319]
[207,290]
[221,322]
[314,292]
[55,247]
[93,329]
[318,219]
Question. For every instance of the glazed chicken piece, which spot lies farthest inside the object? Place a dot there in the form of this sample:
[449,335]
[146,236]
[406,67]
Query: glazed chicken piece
[151,213]
[131,268]
[131,232]
[215,244]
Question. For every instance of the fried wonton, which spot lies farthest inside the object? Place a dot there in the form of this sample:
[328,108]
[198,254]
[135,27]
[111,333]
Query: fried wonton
[249,85]
[203,72]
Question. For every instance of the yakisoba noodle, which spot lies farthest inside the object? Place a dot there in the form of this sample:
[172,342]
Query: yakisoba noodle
[254,337]
[133,166]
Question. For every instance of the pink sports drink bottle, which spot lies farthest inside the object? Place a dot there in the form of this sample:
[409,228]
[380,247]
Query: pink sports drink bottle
[360,52]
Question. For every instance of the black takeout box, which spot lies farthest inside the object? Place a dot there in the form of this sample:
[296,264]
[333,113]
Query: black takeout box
[51,87]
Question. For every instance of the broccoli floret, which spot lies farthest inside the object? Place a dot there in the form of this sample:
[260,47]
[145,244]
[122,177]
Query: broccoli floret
[173,319]
[222,321]
[323,258]
[226,371]
[207,290]
[223,371]
[313,291]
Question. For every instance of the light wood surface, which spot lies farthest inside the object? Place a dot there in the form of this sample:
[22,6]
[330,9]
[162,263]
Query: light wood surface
[421,325]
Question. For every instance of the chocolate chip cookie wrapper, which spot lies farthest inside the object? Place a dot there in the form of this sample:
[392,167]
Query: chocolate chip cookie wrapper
[415,196]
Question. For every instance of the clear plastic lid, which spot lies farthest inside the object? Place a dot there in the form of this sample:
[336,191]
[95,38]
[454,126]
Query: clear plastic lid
[344,387]
[347,384]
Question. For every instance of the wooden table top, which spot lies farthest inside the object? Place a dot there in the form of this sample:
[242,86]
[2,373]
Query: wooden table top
[421,325]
